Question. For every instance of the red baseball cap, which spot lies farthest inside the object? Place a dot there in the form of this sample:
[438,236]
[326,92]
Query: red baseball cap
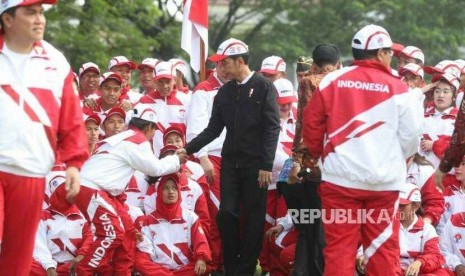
[94,117]
[115,111]
[110,76]
[173,129]
[166,150]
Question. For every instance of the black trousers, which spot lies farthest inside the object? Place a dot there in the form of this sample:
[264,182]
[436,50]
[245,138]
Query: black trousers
[241,218]
[309,259]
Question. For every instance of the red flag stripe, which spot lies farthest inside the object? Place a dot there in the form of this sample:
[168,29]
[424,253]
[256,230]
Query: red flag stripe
[199,12]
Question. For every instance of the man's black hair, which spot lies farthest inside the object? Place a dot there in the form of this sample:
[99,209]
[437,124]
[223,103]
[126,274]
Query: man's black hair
[366,54]
[244,57]
[11,11]
[140,123]
[325,54]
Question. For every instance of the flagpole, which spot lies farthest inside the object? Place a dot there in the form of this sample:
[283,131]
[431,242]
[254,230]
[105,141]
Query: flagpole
[202,60]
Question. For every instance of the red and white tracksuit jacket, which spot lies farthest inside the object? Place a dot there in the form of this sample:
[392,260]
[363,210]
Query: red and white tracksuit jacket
[195,172]
[419,242]
[46,109]
[131,95]
[363,123]
[171,111]
[199,113]
[115,160]
[40,118]
[432,200]
[454,202]
[173,244]
[438,127]
[364,96]
[284,148]
[136,190]
[54,178]
[192,197]
[452,242]
[60,238]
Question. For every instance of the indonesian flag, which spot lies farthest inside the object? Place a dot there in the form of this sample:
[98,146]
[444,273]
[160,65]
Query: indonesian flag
[195,29]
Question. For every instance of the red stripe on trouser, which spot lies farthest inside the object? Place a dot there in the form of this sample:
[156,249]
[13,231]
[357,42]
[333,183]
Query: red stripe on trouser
[342,238]
[123,258]
[214,239]
[109,233]
[20,211]
[38,270]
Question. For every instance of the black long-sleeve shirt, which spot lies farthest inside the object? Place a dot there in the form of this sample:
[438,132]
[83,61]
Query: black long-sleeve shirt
[250,114]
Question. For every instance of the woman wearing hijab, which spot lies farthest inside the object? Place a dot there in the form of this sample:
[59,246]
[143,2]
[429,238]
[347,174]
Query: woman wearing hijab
[173,240]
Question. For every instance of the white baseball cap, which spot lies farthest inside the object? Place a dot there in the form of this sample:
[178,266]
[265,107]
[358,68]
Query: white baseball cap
[285,91]
[413,68]
[180,65]
[110,76]
[230,47]
[88,66]
[444,66]
[121,60]
[7,4]
[164,70]
[461,64]
[409,193]
[148,62]
[413,52]
[449,78]
[371,37]
[273,65]
[145,112]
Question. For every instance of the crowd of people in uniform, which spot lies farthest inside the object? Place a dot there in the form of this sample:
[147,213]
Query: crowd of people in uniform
[182,238]
[162,191]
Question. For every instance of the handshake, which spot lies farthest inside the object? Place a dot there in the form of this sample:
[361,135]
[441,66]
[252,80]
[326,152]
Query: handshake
[182,154]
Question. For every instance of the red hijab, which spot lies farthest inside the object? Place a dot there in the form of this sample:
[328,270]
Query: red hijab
[164,210]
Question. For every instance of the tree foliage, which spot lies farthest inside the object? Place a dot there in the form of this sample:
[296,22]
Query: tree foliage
[99,29]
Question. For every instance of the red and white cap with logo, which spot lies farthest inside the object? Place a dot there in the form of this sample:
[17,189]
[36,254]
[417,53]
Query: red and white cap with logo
[148,62]
[409,193]
[7,4]
[449,78]
[413,68]
[94,117]
[230,47]
[89,66]
[145,112]
[110,76]
[115,111]
[371,37]
[164,70]
[273,65]
[121,60]
[444,66]
[179,64]
[413,52]
[285,91]
[461,64]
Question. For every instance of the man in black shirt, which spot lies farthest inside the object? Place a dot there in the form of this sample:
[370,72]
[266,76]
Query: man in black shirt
[247,107]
